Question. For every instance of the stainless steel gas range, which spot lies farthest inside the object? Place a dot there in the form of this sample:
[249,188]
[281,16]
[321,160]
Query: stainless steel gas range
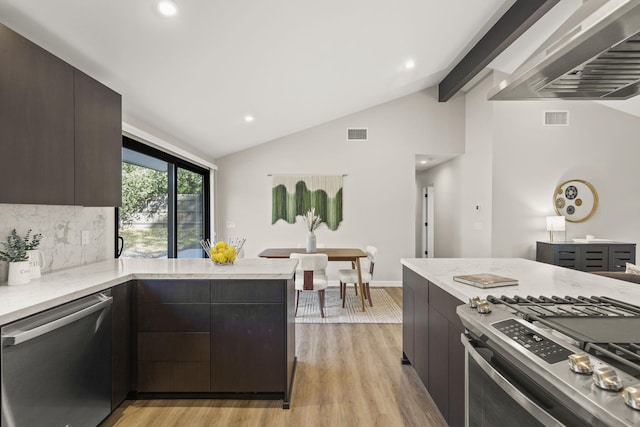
[551,361]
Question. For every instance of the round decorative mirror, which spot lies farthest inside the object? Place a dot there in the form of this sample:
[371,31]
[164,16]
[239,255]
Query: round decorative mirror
[576,200]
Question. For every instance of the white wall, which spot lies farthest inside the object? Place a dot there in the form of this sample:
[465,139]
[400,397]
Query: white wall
[463,183]
[512,165]
[379,189]
[476,174]
[600,145]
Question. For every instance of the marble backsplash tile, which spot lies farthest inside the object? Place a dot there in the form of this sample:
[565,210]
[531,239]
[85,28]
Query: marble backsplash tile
[61,228]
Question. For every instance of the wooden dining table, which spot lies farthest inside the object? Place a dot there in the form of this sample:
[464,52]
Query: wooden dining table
[334,254]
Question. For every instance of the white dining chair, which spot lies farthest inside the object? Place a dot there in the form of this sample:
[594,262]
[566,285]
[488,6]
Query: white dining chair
[311,275]
[350,275]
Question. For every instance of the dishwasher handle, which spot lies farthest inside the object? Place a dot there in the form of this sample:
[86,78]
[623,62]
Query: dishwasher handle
[24,336]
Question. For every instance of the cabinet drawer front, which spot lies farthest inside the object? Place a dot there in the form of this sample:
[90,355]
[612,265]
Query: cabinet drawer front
[248,291]
[173,317]
[594,258]
[174,347]
[173,291]
[620,255]
[566,256]
[173,377]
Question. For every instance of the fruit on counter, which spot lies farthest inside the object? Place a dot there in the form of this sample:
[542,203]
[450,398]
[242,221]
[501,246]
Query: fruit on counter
[222,253]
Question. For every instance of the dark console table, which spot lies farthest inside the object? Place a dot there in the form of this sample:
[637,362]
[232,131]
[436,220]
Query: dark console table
[597,256]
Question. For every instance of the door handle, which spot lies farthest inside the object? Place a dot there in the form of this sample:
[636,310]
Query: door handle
[120,246]
[24,336]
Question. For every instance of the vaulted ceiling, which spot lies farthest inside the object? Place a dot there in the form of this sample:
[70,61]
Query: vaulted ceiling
[290,64]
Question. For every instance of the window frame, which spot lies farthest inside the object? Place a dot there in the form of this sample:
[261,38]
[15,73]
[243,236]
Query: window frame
[173,163]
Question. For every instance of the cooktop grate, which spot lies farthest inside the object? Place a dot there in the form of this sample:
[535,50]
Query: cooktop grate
[605,327]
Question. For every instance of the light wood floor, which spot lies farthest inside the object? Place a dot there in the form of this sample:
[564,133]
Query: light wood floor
[347,375]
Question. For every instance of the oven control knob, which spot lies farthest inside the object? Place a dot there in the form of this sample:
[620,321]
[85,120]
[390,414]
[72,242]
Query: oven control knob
[473,302]
[606,378]
[483,306]
[580,363]
[631,396]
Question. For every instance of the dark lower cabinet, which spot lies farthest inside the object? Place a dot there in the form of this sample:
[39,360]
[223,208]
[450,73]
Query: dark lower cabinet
[408,322]
[438,382]
[173,362]
[431,343]
[247,348]
[217,337]
[456,376]
[251,336]
[121,342]
[173,336]
[587,256]
[421,344]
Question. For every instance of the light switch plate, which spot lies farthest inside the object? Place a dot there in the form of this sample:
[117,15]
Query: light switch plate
[85,237]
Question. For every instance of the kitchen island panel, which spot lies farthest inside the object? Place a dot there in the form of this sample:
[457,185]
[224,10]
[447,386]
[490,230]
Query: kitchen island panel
[534,278]
[445,350]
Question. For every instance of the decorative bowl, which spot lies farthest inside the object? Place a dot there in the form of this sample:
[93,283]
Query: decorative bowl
[221,252]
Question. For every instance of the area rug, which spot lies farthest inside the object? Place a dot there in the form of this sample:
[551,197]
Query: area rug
[384,310]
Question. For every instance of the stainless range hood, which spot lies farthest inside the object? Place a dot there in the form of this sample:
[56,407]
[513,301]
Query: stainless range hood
[594,55]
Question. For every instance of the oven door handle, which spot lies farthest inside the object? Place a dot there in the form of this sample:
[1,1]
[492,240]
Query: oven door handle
[527,404]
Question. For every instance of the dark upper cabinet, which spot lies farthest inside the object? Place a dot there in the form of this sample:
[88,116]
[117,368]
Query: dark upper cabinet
[98,143]
[60,130]
[36,124]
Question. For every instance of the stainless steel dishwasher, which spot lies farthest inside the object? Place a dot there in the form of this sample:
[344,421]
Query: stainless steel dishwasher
[56,366]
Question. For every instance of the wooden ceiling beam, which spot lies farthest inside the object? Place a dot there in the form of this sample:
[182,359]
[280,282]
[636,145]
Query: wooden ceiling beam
[515,21]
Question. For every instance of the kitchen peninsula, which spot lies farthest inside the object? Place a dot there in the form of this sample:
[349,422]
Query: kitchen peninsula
[183,326]
[432,329]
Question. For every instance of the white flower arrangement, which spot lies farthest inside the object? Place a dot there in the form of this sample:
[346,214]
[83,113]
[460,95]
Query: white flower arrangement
[313,221]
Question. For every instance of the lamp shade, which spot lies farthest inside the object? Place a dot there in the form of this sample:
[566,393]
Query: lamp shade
[555,223]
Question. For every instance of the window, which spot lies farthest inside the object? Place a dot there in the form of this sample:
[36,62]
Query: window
[165,205]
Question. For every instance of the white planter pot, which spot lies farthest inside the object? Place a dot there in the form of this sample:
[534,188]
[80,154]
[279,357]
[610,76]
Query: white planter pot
[19,273]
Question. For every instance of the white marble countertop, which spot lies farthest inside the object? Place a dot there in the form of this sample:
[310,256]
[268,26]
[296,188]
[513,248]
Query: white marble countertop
[534,278]
[66,285]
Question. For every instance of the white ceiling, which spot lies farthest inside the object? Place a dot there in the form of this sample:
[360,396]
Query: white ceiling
[292,64]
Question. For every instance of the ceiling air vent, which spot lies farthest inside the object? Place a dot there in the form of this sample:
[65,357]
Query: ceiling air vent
[357,134]
[556,118]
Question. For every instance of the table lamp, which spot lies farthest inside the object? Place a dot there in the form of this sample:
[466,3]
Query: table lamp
[556,223]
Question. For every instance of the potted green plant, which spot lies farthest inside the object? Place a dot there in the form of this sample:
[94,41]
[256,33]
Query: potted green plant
[15,253]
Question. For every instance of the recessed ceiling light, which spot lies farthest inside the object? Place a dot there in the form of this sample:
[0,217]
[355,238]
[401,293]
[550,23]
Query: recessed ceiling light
[423,162]
[249,118]
[410,64]
[167,7]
